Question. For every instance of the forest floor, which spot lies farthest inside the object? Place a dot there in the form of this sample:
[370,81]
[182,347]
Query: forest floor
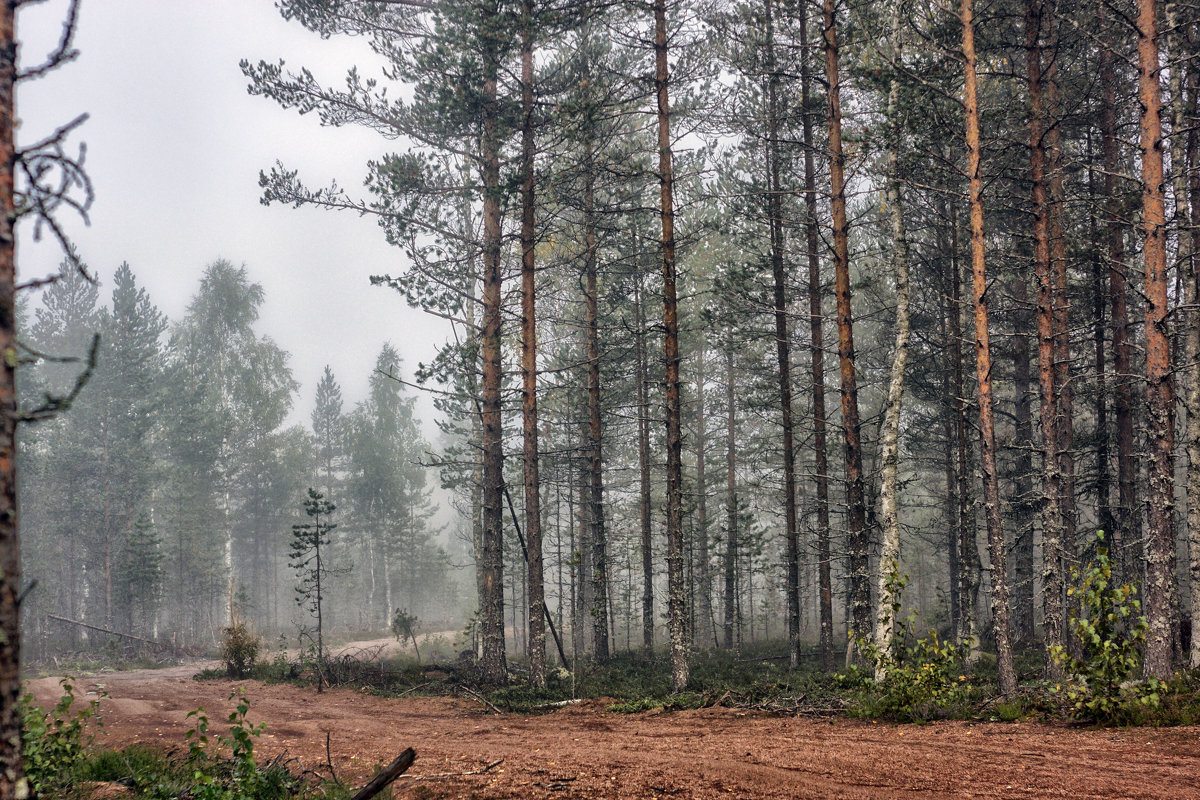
[586,751]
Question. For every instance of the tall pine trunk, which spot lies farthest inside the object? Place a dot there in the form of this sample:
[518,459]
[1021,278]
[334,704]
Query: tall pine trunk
[1022,506]
[676,599]
[1052,509]
[983,366]
[704,607]
[12,779]
[783,352]
[1181,162]
[816,324]
[856,524]
[594,489]
[1127,528]
[493,668]
[529,413]
[731,498]
[1160,544]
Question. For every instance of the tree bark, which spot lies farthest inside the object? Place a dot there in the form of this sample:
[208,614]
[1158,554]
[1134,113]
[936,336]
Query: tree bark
[889,554]
[983,366]
[860,589]
[1181,162]
[595,464]
[951,391]
[1052,511]
[1022,507]
[1127,525]
[493,668]
[703,571]
[731,499]
[1064,408]
[643,400]
[529,410]
[676,600]
[783,353]
[12,778]
[1160,544]
[816,320]
[1193,479]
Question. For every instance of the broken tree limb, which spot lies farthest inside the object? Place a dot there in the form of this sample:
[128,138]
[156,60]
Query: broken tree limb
[480,771]
[386,775]
[480,698]
[110,633]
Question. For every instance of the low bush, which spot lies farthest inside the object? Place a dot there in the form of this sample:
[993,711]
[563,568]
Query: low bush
[1102,684]
[55,743]
[239,649]
[918,679]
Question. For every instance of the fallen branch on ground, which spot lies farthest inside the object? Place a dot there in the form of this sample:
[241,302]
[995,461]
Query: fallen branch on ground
[479,771]
[387,775]
[480,698]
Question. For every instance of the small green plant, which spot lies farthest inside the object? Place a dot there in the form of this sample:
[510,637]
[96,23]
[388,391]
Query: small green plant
[1101,685]
[917,679]
[245,779]
[54,744]
[404,626]
[239,649]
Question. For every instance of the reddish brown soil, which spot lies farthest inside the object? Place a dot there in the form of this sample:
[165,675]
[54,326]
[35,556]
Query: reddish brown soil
[586,751]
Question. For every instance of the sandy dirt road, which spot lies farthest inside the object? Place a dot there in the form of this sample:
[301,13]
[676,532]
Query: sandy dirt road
[585,751]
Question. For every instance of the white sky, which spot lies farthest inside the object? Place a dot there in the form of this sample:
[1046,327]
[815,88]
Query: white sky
[175,145]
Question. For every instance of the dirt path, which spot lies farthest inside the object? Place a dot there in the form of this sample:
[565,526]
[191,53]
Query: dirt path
[585,751]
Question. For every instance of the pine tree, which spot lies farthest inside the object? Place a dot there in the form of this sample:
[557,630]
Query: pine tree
[305,553]
[328,425]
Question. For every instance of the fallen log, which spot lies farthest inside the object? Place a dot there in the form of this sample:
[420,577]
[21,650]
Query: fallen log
[386,775]
[129,636]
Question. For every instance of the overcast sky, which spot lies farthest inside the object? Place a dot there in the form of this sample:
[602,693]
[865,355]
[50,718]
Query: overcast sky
[174,148]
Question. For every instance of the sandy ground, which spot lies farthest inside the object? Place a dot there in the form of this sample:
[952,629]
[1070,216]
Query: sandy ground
[586,751]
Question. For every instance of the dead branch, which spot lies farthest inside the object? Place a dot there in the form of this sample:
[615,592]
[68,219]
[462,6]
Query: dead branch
[329,761]
[479,771]
[109,632]
[386,775]
[480,698]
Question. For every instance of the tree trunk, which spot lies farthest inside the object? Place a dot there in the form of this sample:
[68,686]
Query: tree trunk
[1065,416]
[816,318]
[1127,528]
[529,411]
[703,571]
[860,589]
[951,391]
[1052,511]
[594,485]
[983,367]
[1186,237]
[1160,544]
[731,499]
[1193,433]
[782,342]
[12,778]
[965,541]
[493,668]
[889,554]
[1022,507]
[643,400]
[676,601]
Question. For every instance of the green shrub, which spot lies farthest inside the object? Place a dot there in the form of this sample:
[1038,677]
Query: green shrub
[237,775]
[54,744]
[239,649]
[1102,686]
[919,679]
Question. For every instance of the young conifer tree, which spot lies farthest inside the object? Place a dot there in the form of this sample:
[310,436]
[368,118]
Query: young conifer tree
[306,558]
